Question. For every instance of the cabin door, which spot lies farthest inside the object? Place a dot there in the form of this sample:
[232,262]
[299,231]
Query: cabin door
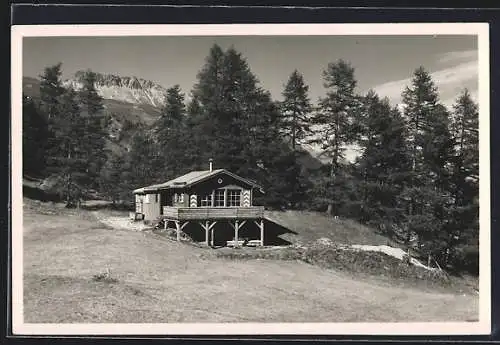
[139,206]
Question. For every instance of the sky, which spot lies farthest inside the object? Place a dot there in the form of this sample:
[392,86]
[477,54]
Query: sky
[382,63]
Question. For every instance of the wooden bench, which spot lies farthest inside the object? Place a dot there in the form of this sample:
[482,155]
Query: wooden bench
[250,243]
[135,216]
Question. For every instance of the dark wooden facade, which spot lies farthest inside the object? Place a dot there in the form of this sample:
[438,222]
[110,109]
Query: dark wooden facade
[205,198]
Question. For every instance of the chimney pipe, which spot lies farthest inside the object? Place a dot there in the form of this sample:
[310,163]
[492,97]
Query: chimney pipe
[210,163]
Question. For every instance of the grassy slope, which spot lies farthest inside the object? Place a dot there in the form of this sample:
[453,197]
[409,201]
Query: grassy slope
[164,281]
[311,226]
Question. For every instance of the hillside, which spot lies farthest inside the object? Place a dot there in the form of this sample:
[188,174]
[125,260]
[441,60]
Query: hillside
[313,226]
[151,279]
[133,103]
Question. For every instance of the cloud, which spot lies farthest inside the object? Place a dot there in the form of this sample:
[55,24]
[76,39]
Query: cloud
[458,56]
[458,70]
[450,82]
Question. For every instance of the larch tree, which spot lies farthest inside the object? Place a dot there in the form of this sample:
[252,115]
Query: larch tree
[295,110]
[235,121]
[67,153]
[51,90]
[384,163]
[430,143]
[94,140]
[208,95]
[170,133]
[334,123]
[465,178]
[35,137]
[294,124]
[144,160]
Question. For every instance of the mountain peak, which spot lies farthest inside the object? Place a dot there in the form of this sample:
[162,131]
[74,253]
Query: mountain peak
[130,89]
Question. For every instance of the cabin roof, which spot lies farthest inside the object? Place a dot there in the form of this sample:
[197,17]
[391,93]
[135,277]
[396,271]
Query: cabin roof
[192,178]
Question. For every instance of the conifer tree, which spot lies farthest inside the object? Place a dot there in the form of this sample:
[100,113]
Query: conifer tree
[114,177]
[35,137]
[236,122]
[94,140]
[465,178]
[194,152]
[294,125]
[335,121]
[208,94]
[427,195]
[171,133]
[66,154]
[295,110]
[144,160]
[51,89]
[384,164]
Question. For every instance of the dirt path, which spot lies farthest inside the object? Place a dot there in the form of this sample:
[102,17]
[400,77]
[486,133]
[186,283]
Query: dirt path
[120,221]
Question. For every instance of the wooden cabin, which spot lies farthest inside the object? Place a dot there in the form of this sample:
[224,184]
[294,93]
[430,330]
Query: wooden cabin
[206,199]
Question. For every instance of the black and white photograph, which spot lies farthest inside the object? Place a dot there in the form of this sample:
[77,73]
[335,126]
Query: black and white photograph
[251,179]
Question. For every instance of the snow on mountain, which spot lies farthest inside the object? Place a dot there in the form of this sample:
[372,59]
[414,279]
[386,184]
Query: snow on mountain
[126,89]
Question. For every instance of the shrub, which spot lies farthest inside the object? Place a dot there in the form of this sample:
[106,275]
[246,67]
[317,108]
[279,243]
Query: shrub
[104,277]
[345,259]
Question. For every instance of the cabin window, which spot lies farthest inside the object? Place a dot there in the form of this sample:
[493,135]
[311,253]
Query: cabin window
[206,200]
[233,197]
[146,198]
[156,197]
[219,198]
[178,197]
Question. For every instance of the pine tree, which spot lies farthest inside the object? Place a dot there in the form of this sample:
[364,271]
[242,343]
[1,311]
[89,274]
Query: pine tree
[430,142]
[114,177]
[35,138]
[236,123]
[294,124]
[384,164]
[143,160]
[465,179]
[94,140]
[295,110]
[335,122]
[171,133]
[208,94]
[194,152]
[66,155]
[51,89]
[51,92]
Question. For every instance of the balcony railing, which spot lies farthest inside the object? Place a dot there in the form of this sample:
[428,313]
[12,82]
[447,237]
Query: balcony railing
[188,213]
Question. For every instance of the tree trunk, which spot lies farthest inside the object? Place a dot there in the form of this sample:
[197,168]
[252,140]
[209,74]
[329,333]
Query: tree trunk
[68,190]
[329,210]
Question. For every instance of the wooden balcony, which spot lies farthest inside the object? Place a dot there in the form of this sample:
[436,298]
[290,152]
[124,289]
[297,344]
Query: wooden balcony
[199,213]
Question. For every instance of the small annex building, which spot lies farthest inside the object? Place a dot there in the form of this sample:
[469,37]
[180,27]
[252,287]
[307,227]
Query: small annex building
[203,200]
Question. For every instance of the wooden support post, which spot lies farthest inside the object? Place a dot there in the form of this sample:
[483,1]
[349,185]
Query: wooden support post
[261,232]
[207,230]
[178,229]
[212,237]
[213,224]
[165,223]
[236,228]
[184,225]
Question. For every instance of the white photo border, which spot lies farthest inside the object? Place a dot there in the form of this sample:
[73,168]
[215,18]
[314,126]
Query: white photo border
[481,327]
